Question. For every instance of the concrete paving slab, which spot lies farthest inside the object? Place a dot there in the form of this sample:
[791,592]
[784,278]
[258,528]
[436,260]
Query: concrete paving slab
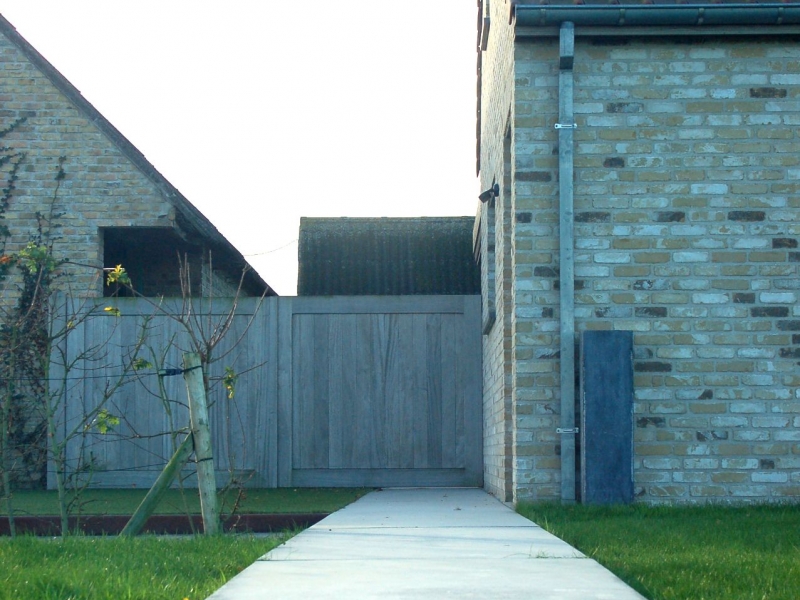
[429,543]
[542,579]
[424,543]
[429,507]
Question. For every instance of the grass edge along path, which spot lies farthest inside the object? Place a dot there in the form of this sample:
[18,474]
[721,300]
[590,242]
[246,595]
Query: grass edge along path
[145,567]
[706,552]
[180,502]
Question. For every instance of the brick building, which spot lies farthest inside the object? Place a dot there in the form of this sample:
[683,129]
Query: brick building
[647,163]
[110,207]
[114,206]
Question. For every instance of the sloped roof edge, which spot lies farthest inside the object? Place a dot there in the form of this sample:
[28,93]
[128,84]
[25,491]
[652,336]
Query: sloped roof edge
[355,221]
[191,215]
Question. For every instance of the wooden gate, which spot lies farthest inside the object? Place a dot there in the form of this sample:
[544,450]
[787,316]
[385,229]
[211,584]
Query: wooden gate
[380,391]
[338,391]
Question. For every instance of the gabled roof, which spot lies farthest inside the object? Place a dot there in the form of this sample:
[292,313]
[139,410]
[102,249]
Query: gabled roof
[188,217]
[386,256]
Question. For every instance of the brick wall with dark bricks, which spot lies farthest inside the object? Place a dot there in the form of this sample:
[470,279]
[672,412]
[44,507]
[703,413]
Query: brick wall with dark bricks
[687,221]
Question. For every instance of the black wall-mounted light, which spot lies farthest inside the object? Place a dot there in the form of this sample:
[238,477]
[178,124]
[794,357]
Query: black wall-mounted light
[490,194]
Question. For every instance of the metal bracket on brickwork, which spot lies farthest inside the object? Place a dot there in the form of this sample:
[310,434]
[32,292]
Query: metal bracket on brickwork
[563,430]
[565,126]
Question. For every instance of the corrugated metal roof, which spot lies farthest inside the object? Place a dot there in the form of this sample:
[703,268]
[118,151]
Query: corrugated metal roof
[386,256]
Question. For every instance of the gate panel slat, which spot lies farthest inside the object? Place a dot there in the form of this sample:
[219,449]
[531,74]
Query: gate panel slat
[311,381]
[319,415]
[398,407]
[377,389]
[379,478]
[303,392]
[336,386]
[433,386]
[363,455]
[285,427]
[449,396]
[346,393]
[419,392]
[461,374]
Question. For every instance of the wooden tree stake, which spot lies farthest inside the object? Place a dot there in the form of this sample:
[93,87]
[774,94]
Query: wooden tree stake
[198,414]
[148,505]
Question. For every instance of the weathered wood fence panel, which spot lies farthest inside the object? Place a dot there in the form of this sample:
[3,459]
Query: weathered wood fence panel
[331,392]
[381,391]
[152,407]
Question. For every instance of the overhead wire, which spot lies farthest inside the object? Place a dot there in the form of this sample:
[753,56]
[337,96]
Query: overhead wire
[273,250]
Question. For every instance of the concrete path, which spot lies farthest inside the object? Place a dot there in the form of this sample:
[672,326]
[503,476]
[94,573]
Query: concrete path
[426,543]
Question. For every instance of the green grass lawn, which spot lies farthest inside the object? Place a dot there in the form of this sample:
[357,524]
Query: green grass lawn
[124,502]
[687,553]
[147,567]
[144,567]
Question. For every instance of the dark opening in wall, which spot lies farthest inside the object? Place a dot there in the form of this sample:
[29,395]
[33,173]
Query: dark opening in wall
[151,258]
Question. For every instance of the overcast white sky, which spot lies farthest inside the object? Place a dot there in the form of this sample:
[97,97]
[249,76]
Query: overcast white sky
[263,111]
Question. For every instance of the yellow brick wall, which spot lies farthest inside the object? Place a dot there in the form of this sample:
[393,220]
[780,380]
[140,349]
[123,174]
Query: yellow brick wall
[687,211]
[497,92]
[102,188]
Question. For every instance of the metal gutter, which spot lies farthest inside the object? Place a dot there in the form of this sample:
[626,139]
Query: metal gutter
[566,127]
[678,15]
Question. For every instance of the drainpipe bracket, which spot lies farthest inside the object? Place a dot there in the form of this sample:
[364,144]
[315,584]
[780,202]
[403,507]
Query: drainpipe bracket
[566,126]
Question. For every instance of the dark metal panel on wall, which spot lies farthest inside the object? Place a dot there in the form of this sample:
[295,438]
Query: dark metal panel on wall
[606,417]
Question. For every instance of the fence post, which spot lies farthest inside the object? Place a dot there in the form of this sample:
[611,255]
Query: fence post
[198,414]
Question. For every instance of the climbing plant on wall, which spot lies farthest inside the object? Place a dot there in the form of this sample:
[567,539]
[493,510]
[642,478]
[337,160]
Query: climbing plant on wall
[30,399]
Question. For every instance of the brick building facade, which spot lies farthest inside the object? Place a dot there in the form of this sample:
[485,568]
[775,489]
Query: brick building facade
[686,191]
[113,205]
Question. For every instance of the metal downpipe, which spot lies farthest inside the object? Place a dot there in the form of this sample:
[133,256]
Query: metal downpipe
[566,125]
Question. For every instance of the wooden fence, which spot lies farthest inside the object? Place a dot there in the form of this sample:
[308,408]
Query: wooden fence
[339,391]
